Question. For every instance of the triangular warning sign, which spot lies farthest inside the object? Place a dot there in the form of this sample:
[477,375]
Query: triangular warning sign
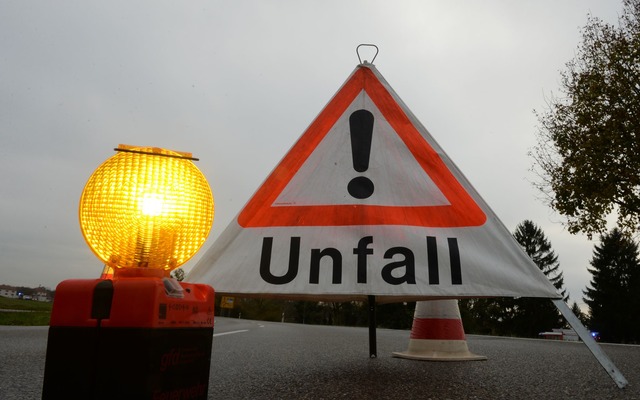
[327,159]
[367,203]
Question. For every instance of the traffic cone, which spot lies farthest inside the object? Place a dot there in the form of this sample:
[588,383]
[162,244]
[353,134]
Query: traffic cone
[437,333]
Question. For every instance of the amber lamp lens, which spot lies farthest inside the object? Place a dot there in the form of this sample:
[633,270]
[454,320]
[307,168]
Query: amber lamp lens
[146,208]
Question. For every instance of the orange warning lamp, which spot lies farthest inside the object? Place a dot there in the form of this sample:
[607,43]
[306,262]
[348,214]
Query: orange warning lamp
[146,211]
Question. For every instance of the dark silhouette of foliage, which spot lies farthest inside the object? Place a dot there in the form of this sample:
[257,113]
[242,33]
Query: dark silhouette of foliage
[613,295]
[588,151]
[524,317]
[350,313]
[534,242]
[575,308]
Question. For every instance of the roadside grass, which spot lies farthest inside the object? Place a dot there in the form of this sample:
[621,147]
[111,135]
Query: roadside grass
[31,313]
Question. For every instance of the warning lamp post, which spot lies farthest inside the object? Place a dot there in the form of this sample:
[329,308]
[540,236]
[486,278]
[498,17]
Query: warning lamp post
[142,334]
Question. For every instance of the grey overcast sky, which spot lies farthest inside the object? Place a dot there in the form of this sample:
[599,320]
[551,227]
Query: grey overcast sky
[237,82]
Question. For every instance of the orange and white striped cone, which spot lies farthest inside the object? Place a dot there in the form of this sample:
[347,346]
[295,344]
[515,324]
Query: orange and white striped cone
[437,333]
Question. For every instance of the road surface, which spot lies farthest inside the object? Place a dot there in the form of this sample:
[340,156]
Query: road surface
[267,360]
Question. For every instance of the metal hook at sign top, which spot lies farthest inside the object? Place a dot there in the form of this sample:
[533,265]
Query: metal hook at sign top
[370,45]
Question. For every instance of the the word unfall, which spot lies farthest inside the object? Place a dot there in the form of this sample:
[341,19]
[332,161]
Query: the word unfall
[395,272]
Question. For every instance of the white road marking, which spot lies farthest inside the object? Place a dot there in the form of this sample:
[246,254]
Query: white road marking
[230,333]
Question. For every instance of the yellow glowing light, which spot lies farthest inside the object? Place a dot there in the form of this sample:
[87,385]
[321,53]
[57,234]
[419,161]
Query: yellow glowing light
[146,208]
[151,205]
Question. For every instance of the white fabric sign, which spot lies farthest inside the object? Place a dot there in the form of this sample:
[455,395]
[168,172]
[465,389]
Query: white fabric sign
[367,203]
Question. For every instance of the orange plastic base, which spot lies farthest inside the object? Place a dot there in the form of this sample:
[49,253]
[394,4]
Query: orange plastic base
[129,339]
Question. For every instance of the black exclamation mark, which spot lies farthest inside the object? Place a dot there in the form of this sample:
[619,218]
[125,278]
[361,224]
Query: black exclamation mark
[361,126]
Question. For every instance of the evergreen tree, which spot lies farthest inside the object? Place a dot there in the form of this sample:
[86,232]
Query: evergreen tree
[395,315]
[575,309]
[530,316]
[535,244]
[613,296]
[522,316]
[484,316]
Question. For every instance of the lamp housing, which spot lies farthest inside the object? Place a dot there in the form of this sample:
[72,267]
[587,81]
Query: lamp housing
[146,211]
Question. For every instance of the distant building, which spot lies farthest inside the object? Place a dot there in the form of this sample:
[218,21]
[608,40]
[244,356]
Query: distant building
[14,292]
[567,335]
[8,291]
[41,294]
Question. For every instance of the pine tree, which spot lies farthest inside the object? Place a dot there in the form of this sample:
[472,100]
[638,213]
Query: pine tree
[613,296]
[535,244]
[530,316]
[575,309]
[522,316]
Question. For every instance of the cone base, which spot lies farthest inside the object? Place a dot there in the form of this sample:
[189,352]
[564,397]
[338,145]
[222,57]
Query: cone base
[439,356]
[438,350]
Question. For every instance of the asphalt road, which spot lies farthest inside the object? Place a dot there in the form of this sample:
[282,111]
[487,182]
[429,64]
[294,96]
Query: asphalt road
[264,360]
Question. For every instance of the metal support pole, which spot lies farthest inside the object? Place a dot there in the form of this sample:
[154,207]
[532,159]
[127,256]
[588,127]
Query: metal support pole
[592,345]
[373,346]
